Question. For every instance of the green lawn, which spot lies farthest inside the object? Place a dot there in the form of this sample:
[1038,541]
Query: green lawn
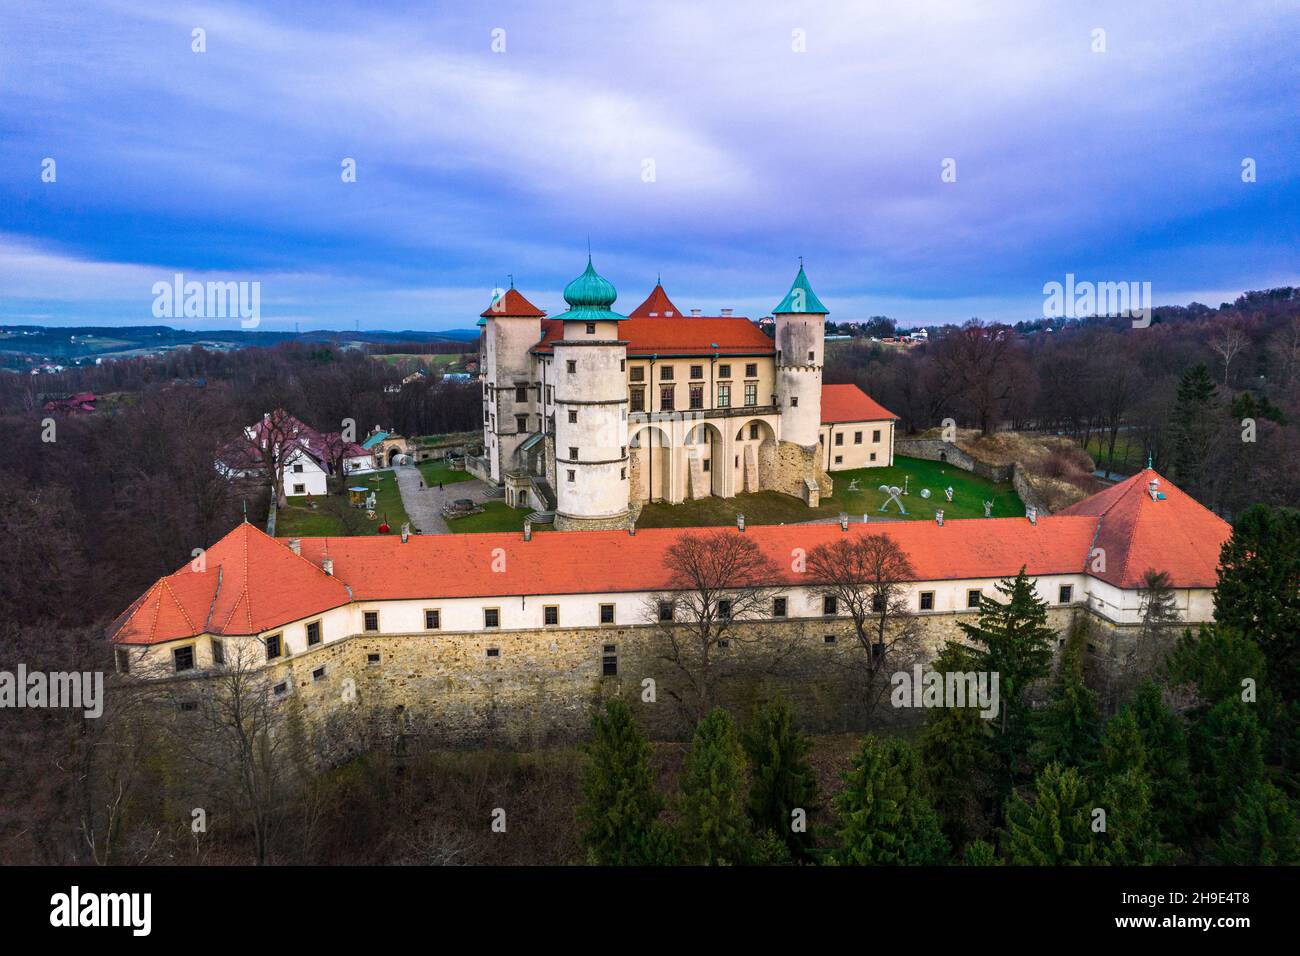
[334,516]
[438,471]
[1130,454]
[769,507]
[496,516]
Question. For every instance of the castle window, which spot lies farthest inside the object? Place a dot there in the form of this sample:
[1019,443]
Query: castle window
[751,370]
[638,399]
[550,394]
[706,464]
[638,373]
[609,661]
[724,609]
[830,604]
[927,600]
[186,706]
[697,371]
[1066,594]
[313,633]
[778,607]
[591,328]
[569,474]
[273,647]
[875,434]
[753,430]
[665,610]
[839,459]
[873,456]
[494,652]
[521,423]
[811,355]
[666,398]
[372,658]
[281,689]
[551,614]
[491,617]
[123,660]
[622,474]
[751,394]
[828,639]
[724,371]
[857,438]
[666,373]
[432,619]
[571,366]
[371,622]
[607,614]
[573,453]
[318,673]
[622,365]
[697,396]
[877,603]
[973,597]
[183,658]
[521,393]
[573,416]
[839,439]
[218,653]
[724,396]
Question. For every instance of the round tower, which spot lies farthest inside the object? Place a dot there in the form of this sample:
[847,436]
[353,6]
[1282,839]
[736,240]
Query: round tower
[800,351]
[591,459]
[511,398]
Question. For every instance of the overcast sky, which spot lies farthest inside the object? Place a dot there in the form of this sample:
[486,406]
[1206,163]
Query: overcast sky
[713,143]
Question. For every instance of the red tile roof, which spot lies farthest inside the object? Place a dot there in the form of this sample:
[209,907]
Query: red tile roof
[253,583]
[848,403]
[1136,533]
[697,335]
[657,305]
[512,305]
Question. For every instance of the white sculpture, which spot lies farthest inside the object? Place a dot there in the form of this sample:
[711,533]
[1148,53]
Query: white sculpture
[894,492]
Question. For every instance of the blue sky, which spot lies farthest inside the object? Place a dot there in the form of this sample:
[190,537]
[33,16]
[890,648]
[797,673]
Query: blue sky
[1122,165]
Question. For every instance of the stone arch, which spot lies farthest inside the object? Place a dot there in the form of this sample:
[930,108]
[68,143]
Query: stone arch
[706,464]
[650,464]
[754,458]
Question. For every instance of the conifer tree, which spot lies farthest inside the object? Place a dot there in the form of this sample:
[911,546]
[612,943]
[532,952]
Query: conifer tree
[1013,640]
[955,752]
[1067,730]
[1165,757]
[1133,834]
[1054,830]
[1192,427]
[714,824]
[1262,831]
[620,803]
[980,853]
[1227,761]
[885,815]
[781,780]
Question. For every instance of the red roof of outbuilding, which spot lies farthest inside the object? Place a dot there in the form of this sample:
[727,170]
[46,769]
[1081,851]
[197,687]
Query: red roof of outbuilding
[848,403]
[658,305]
[511,305]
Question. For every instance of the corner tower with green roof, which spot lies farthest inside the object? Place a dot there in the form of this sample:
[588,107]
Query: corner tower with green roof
[590,378]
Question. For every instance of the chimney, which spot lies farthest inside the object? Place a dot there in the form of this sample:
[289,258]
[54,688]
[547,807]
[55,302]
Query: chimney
[726,312]
[695,311]
[528,531]
[1153,489]
[740,521]
[295,545]
[406,531]
[938,518]
[328,566]
[1032,515]
[844,521]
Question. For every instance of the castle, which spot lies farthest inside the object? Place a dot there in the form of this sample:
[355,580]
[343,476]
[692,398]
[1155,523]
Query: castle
[590,414]
[514,638]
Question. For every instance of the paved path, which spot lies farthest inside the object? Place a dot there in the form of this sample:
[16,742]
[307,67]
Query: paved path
[424,505]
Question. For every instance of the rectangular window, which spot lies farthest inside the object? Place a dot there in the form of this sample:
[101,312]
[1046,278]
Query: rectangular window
[491,617]
[372,658]
[297,469]
[665,373]
[839,439]
[753,430]
[123,660]
[570,475]
[313,633]
[857,438]
[751,393]
[273,647]
[812,356]
[794,401]
[875,434]
[551,614]
[571,366]
[724,609]
[573,453]
[706,464]
[550,394]
[830,604]
[724,396]
[299,489]
[665,610]
[218,653]
[183,658]
[666,398]
[724,371]
[778,607]
[494,652]
[697,371]
[877,603]
[573,416]
[591,328]
[638,373]
[697,396]
[927,600]
[828,639]
[1066,593]
[371,622]
[607,614]
[751,370]
[521,423]
[318,673]
[638,399]
[973,597]
[432,619]
[609,661]
[280,689]
[839,459]
[521,393]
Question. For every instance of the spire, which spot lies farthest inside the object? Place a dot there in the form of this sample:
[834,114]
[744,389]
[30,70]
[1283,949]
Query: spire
[801,298]
[656,306]
[590,297]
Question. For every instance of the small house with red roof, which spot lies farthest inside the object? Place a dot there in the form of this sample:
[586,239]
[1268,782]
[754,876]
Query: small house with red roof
[307,458]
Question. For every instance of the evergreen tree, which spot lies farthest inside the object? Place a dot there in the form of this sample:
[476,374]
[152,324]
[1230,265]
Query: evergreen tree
[714,825]
[620,803]
[1067,731]
[1054,830]
[781,780]
[1192,427]
[1262,831]
[980,853]
[955,752]
[1013,641]
[1132,837]
[1227,761]
[1215,660]
[885,815]
[1165,758]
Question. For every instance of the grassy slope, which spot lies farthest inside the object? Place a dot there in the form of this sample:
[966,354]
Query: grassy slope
[334,516]
[438,471]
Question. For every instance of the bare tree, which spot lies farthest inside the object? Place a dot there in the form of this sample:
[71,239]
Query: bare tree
[975,358]
[867,579]
[1228,343]
[719,581]
[274,440]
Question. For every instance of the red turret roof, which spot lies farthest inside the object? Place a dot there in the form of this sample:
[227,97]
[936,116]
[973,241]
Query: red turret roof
[512,305]
[658,305]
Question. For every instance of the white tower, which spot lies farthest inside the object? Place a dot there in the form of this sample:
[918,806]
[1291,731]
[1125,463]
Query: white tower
[591,458]
[511,327]
[800,353]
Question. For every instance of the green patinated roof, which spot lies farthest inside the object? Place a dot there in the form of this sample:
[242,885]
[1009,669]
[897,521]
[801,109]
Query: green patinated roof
[589,297]
[801,298]
[374,440]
